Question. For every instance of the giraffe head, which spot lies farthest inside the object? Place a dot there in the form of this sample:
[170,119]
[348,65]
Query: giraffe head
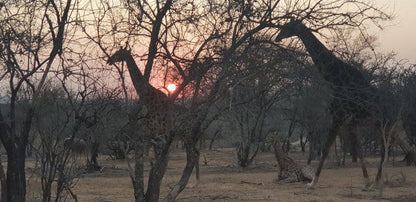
[119,56]
[292,28]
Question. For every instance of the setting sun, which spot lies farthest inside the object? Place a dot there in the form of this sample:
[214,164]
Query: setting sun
[171,87]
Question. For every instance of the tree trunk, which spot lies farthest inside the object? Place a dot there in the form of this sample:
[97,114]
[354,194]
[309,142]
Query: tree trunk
[353,155]
[157,171]
[202,144]
[197,170]
[410,158]
[93,163]
[353,142]
[384,155]
[46,189]
[302,143]
[29,150]
[192,158]
[211,143]
[292,126]
[16,178]
[3,182]
[243,154]
[138,179]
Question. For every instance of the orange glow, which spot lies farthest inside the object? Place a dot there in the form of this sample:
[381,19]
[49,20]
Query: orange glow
[171,87]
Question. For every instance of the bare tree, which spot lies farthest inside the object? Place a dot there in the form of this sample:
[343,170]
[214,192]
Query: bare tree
[389,75]
[194,43]
[55,127]
[259,81]
[409,115]
[65,120]
[32,36]
[150,20]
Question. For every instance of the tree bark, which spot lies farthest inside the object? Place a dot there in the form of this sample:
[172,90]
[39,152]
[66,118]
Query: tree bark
[354,141]
[3,183]
[353,155]
[211,143]
[157,171]
[242,154]
[384,155]
[16,178]
[192,157]
[138,177]
[302,143]
[93,162]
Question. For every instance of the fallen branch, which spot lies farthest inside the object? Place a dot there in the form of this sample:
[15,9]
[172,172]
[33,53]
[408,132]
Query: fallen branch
[252,183]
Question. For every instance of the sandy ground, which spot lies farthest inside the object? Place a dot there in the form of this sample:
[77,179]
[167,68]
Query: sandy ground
[223,180]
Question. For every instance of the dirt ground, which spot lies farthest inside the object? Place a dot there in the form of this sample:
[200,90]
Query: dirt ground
[223,180]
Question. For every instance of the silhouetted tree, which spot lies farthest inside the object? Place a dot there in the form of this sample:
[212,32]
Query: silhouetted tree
[32,36]
[194,44]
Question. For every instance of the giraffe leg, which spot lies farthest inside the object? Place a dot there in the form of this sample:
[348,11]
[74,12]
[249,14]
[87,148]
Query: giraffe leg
[333,131]
[357,148]
[380,169]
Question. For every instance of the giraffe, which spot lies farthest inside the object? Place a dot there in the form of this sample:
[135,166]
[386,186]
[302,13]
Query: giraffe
[156,102]
[289,170]
[158,130]
[352,97]
[163,121]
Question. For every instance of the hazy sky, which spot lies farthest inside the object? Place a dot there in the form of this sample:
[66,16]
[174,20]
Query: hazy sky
[400,36]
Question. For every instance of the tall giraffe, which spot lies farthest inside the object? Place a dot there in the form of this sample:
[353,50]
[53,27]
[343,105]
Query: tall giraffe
[164,121]
[156,102]
[148,94]
[352,96]
[158,122]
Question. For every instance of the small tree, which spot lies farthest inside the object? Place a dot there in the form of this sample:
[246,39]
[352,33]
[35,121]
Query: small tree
[64,122]
[409,92]
[31,38]
[257,85]
[389,77]
[54,123]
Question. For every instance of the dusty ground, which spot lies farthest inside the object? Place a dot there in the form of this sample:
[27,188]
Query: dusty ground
[223,180]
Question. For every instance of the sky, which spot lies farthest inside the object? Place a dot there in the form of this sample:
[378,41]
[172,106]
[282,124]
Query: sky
[400,34]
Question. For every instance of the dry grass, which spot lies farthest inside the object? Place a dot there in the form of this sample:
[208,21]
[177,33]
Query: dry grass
[223,180]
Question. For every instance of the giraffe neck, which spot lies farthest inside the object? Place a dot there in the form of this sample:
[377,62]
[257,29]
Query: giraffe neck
[320,55]
[331,68]
[135,74]
[279,155]
[147,92]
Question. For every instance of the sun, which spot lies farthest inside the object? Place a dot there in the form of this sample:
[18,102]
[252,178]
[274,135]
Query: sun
[171,87]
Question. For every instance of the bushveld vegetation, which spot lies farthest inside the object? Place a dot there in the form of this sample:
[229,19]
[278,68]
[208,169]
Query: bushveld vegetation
[84,79]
